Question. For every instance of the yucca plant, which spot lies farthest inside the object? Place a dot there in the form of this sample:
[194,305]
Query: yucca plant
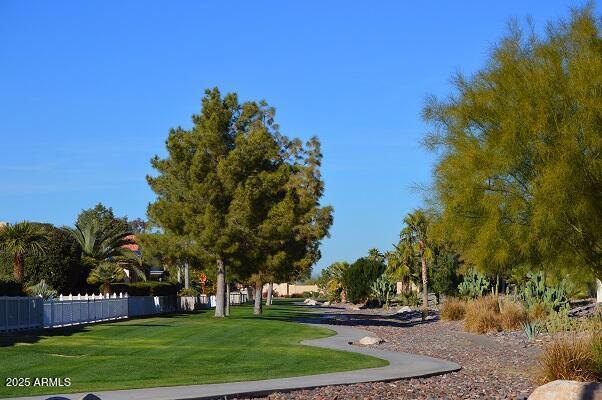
[43,290]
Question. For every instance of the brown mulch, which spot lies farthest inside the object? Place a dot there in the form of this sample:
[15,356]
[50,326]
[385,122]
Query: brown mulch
[493,367]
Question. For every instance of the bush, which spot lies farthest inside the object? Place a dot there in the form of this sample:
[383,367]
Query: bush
[148,288]
[10,287]
[453,309]
[360,276]
[409,298]
[482,315]
[190,292]
[596,349]
[569,360]
[512,315]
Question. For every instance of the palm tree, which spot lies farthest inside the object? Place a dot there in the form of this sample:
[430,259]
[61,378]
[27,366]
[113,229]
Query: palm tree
[337,270]
[20,239]
[98,246]
[415,234]
[106,273]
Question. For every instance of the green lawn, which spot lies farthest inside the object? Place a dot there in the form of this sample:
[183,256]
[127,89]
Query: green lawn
[172,350]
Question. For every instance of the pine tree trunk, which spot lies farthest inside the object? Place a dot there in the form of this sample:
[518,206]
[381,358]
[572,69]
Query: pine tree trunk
[18,267]
[220,293]
[258,310]
[425,281]
[268,301]
[186,276]
[227,299]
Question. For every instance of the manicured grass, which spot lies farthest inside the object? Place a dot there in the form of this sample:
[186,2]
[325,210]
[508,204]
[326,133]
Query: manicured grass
[172,350]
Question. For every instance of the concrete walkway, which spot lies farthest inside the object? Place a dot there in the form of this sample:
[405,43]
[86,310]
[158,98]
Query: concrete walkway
[401,365]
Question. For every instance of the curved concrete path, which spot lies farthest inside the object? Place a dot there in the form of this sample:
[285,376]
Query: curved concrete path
[401,365]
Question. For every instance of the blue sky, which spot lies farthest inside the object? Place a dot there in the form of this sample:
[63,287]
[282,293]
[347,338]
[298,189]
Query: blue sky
[89,90]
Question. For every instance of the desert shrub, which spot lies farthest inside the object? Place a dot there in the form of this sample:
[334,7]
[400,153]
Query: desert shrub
[10,287]
[569,359]
[559,322]
[482,315]
[596,350]
[512,315]
[409,298]
[453,309]
[360,276]
[473,285]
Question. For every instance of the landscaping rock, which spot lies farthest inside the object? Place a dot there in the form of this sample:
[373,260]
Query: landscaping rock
[311,302]
[356,308]
[583,311]
[370,340]
[326,304]
[568,390]
[404,309]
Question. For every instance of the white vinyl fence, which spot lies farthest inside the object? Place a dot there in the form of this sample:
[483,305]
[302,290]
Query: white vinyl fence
[75,310]
[18,313]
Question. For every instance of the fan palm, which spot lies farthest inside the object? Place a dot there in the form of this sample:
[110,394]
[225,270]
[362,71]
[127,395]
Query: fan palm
[20,239]
[415,234]
[98,246]
[106,273]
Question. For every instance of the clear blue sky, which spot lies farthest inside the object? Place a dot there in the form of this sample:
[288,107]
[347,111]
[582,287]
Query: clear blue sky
[89,90]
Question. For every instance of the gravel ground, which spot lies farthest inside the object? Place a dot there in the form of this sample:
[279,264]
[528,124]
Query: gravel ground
[493,366]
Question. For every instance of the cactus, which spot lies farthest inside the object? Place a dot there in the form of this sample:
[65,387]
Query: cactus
[535,291]
[473,285]
[383,290]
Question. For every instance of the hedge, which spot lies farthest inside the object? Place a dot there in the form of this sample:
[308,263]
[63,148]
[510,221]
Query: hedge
[148,288]
[10,287]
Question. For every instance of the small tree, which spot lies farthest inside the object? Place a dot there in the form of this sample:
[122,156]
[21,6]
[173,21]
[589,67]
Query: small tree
[106,273]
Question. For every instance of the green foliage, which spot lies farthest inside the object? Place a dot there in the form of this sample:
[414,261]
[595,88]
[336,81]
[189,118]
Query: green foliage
[410,298]
[60,265]
[148,288]
[104,274]
[444,273]
[43,290]
[106,219]
[11,287]
[331,280]
[358,278]
[190,292]
[383,289]
[518,178]
[21,239]
[535,291]
[474,285]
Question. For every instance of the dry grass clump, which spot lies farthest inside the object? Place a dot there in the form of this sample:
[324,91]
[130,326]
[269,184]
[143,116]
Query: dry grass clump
[512,315]
[453,309]
[537,312]
[482,315]
[570,359]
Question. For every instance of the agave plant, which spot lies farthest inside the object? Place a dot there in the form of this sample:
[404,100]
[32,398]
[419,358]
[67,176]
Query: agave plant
[43,290]
[98,246]
[530,329]
[106,273]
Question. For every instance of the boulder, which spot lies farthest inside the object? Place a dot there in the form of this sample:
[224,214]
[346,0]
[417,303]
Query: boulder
[326,304]
[567,390]
[311,302]
[370,340]
[306,301]
[356,308]
[404,309]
